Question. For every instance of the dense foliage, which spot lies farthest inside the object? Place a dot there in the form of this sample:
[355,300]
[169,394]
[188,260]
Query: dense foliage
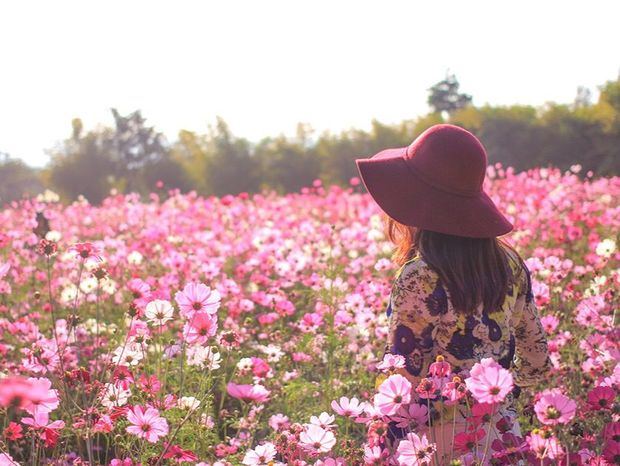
[132,156]
[250,330]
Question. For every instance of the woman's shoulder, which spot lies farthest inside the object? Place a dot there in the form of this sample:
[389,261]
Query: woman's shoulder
[415,273]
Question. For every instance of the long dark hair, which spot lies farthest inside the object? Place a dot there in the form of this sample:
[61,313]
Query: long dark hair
[474,270]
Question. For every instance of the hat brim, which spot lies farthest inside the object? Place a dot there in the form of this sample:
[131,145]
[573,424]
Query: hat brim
[406,198]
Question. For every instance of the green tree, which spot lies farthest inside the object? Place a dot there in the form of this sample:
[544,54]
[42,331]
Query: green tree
[445,96]
[287,164]
[131,157]
[83,165]
[17,179]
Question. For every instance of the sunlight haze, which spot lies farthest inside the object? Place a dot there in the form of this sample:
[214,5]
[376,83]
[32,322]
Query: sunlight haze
[265,65]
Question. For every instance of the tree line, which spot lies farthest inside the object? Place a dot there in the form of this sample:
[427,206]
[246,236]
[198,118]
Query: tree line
[132,156]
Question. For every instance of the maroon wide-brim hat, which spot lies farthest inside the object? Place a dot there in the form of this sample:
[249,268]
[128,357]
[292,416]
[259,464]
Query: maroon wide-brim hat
[436,184]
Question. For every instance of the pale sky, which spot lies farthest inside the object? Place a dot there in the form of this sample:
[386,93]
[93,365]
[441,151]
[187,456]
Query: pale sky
[265,65]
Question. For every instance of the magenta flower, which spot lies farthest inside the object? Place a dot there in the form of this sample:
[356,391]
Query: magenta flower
[440,368]
[545,446]
[394,392]
[374,455]
[414,451]
[147,424]
[86,250]
[41,420]
[601,398]
[21,392]
[256,393]
[47,403]
[489,382]
[413,415]
[47,431]
[197,297]
[554,407]
[391,362]
[427,389]
[201,327]
[454,391]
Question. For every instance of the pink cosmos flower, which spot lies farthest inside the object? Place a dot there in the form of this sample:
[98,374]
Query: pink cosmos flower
[549,323]
[440,368]
[481,413]
[197,297]
[374,456]
[262,455]
[611,452]
[454,391]
[256,393]
[415,451]
[554,407]
[104,424]
[348,407]
[21,392]
[40,421]
[489,382]
[327,461]
[86,250]
[147,424]
[49,402]
[467,441]
[316,439]
[4,269]
[545,446]
[427,389]
[393,393]
[601,398]
[278,421]
[201,327]
[412,416]
[611,431]
[178,454]
[391,362]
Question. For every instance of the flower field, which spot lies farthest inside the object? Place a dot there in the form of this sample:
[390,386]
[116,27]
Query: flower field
[250,330]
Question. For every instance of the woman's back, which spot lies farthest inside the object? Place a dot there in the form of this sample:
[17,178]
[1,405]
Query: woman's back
[424,324]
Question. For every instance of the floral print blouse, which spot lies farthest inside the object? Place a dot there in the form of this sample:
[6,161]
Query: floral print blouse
[423,324]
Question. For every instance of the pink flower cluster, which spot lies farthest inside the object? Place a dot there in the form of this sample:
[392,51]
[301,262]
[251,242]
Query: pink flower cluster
[203,330]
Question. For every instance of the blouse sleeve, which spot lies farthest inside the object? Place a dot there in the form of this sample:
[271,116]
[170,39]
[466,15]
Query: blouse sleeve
[531,361]
[414,305]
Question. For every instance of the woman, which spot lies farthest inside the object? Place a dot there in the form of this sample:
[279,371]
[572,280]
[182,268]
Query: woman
[461,293]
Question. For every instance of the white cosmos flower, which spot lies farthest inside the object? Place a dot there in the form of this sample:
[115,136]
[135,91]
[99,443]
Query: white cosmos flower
[114,396]
[606,248]
[53,235]
[273,352]
[244,364]
[128,355]
[261,455]
[134,258]
[188,402]
[68,293]
[108,285]
[317,439]
[158,312]
[88,285]
[204,357]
